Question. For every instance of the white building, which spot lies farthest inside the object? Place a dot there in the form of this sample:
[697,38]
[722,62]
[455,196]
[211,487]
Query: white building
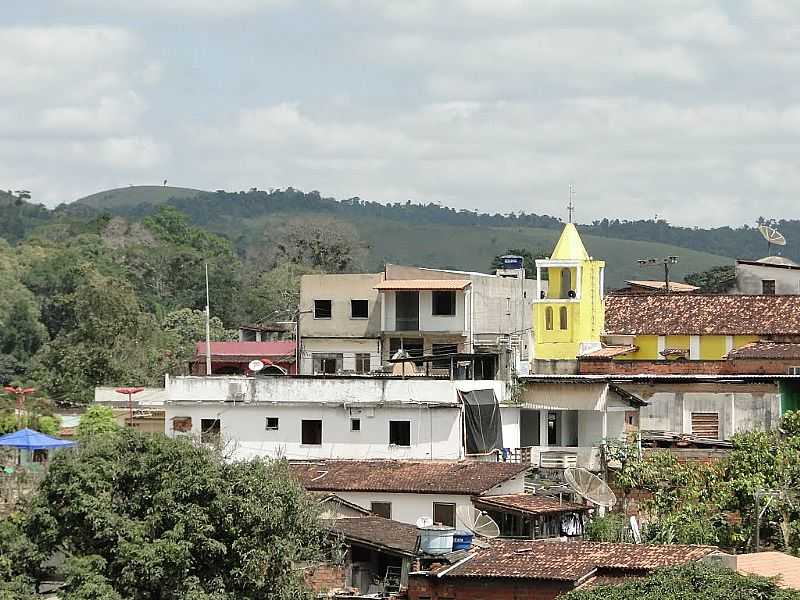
[407,490]
[350,417]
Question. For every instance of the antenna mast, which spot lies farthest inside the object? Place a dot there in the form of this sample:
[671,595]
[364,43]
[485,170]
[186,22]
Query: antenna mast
[208,327]
[571,205]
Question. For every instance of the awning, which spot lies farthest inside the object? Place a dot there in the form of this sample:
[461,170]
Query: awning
[422,284]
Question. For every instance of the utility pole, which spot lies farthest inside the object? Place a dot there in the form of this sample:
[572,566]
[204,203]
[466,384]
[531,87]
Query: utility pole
[20,394]
[208,327]
[129,391]
[667,261]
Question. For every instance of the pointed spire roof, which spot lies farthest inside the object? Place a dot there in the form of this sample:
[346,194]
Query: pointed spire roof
[569,246]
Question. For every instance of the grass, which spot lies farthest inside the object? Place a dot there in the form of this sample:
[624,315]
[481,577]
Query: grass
[136,194]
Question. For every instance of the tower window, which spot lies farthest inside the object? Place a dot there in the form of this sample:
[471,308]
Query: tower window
[548,318]
[562,317]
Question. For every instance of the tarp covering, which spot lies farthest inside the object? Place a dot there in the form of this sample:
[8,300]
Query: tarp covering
[482,422]
[28,439]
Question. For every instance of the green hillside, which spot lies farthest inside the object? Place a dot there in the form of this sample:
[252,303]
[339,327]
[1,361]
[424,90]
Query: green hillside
[135,195]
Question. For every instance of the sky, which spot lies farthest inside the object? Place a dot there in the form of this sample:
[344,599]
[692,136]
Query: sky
[689,110]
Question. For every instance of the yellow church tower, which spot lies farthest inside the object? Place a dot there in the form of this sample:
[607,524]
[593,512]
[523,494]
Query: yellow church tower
[568,317]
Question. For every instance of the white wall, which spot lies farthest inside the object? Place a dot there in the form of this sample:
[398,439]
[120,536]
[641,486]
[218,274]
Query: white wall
[511,423]
[347,347]
[435,432]
[407,508]
[427,321]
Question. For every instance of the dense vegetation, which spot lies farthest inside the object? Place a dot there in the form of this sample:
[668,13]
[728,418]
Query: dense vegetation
[129,527]
[715,504]
[689,582]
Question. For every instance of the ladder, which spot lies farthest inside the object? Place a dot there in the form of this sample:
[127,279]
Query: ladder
[391,580]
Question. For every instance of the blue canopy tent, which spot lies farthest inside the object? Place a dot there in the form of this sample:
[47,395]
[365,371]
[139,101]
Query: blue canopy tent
[28,439]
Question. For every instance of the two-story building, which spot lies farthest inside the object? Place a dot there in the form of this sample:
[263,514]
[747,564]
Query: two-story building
[354,323]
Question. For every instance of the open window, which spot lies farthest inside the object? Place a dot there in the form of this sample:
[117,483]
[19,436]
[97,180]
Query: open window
[444,304]
[272,424]
[323,309]
[444,513]
[311,434]
[768,287]
[362,362]
[400,433]
[327,363]
[209,431]
[381,509]
[359,309]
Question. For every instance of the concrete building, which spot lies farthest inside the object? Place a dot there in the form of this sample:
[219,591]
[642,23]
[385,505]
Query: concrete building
[355,323]
[303,418]
[769,275]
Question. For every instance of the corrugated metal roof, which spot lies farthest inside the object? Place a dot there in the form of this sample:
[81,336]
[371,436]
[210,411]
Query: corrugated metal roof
[422,284]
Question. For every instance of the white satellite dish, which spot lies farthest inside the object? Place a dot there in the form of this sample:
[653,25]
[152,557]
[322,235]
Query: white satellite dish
[478,522]
[423,522]
[773,236]
[589,486]
[255,365]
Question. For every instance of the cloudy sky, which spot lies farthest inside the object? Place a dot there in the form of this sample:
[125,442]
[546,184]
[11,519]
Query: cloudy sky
[685,109]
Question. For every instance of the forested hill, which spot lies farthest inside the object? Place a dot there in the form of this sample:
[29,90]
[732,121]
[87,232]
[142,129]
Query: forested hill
[207,207]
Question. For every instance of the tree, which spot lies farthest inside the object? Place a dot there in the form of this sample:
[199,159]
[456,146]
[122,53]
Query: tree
[97,420]
[694,581]
[528,260]
[275,295]
[151,517]
[322,243]
[716,280]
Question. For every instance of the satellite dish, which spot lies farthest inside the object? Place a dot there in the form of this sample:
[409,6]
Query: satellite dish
[773,236]
[478,522]
[423,522]
[589,486]
[255,365]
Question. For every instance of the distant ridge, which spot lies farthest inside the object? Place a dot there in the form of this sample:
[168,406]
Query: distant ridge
[134,195]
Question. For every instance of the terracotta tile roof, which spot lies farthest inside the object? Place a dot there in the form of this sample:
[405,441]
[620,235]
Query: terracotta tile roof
[377,531]
[701,314]
[527,503]
[570,561]
[423,284]
[771,564]
[249,350]
[419,477]
[776,350]
[610,352]
[660,285]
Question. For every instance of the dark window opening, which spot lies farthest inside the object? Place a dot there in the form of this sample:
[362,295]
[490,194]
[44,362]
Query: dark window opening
[768,287]
[552,429]
[272,423]
[209,431]
[362,363]
[400,433]
[562,317]
[444,513]
[327,364]
[311,432]
[413,347]
[359,309]
[548,318]
[381,509]
[406,311]
[322,309]
[355,424]
[444,304]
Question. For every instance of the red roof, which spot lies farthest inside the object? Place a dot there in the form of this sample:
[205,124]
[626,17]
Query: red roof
[570,561]
[248,350]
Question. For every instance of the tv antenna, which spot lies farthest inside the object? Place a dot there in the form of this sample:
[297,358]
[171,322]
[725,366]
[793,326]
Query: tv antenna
[571,205]
[589,486]
[773,236]
[255,365]
[478,522]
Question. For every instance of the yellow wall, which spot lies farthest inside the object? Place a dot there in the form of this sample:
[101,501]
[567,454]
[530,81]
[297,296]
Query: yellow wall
[712,347]
[741,340]
[648,349]
[677,341]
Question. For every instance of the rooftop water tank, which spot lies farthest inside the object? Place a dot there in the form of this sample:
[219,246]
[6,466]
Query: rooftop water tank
[511,261]
[436,539]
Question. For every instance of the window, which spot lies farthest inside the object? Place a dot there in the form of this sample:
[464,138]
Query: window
[311,432]
[705,425]
[381,509]
[444,513]
[184,424]
[548,318]
[327,363]
[209,431]
[322,309]
[359,309]
[562,317]
[792,371]
[508,306]
[362,362]
[768,287]
[406,311]
[400,433]
[413,346]
[272,423]
[444,304]
[355,424]
[552,428]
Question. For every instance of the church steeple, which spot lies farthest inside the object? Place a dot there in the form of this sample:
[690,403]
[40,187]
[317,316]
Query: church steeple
[568,309]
